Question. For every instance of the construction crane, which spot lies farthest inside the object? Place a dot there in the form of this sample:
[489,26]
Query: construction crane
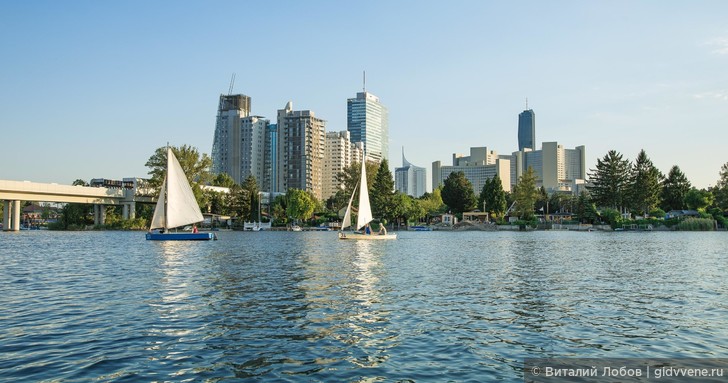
[232,82]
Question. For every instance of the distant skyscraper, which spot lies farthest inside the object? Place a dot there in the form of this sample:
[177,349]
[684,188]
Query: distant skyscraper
[481,165]
[410,179]
[301,145]
[226,148]
[527,130]
[557,169]
[367,121]
[340,154]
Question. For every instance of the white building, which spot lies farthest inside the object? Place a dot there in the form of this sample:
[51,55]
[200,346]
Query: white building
[557,169]
[481,165]
[340,153]
[410,179]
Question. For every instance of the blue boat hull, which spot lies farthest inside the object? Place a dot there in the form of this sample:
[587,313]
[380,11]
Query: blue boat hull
[180,236]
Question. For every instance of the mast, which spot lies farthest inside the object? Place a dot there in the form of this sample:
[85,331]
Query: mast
[165,186]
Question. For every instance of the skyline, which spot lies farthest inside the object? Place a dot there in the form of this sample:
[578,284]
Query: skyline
[90,90]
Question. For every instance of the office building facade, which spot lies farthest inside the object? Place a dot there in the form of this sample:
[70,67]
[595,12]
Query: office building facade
[481,165]
[340,153]
[368,123]
[301,148]
[410,179]
[226,148]
[557,169]
[527,130]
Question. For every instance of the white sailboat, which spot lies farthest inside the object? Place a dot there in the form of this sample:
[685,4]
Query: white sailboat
[364,215]
[176,206]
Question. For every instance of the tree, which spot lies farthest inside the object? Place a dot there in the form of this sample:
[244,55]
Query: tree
[193,164]
[382,193]
[493,197]
[238,202]
[432,203]
[223,180]
[526,195]
[644,184]
[299,203]
[457,193]
[542,201]
[585,210]
[251,186]
[699,199]
[351,176]
[79,182]
[609,181]
[721,189]
[674,189]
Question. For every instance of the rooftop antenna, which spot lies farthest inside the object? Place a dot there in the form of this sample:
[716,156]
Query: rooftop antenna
[232,82]
[365,81]
[526,103]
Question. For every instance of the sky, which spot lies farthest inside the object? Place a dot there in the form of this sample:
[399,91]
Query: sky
[89,89]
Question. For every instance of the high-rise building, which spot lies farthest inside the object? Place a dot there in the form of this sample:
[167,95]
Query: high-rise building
[270,183]
[557,169]
[410,179]
[481,165]
[301,148]
[254,140]
[226,148]
[367,121]
[527,130]
[340,153]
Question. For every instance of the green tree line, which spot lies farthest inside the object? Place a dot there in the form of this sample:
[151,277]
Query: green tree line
[616,187]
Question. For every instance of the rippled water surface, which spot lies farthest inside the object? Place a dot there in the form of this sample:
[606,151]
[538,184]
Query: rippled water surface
[306,307]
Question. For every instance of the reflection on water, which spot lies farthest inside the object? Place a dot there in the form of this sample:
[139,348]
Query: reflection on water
[307,307]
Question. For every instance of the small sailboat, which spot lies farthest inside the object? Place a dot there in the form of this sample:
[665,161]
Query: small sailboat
[176,207]
[365,213]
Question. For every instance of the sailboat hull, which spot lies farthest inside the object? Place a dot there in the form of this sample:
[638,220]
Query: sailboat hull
[180,236]
[366,237]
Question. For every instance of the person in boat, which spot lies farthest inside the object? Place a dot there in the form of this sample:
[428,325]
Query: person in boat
[194,229]
[367,230]
[382,229]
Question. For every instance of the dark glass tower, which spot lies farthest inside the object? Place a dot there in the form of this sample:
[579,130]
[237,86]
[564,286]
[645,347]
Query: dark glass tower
[527,130]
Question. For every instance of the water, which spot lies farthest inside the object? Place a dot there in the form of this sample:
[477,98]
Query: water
[306,307]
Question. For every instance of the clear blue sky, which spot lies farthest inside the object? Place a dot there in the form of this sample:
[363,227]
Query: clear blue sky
[91,88]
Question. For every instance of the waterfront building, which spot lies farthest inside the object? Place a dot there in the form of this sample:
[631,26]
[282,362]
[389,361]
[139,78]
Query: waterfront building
[252,149]
[557,169]
[527,130]
[410,179]
[481,165]
[270,182]
[367,121]
[226,148]
[340,153]
[301,148]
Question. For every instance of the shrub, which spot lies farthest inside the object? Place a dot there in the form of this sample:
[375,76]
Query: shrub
[696,224]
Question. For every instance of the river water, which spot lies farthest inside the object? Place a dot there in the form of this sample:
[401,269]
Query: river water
[306,307]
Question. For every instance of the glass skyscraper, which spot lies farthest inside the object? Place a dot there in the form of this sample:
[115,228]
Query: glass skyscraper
[527,130]
[367,122]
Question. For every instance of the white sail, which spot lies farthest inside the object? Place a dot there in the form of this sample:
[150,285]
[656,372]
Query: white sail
[365,209]
[181,206]
[346,222]
[158,218]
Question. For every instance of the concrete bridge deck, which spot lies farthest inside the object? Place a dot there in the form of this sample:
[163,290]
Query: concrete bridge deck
[13,192]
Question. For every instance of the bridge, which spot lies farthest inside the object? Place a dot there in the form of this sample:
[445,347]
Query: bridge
[126,194]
